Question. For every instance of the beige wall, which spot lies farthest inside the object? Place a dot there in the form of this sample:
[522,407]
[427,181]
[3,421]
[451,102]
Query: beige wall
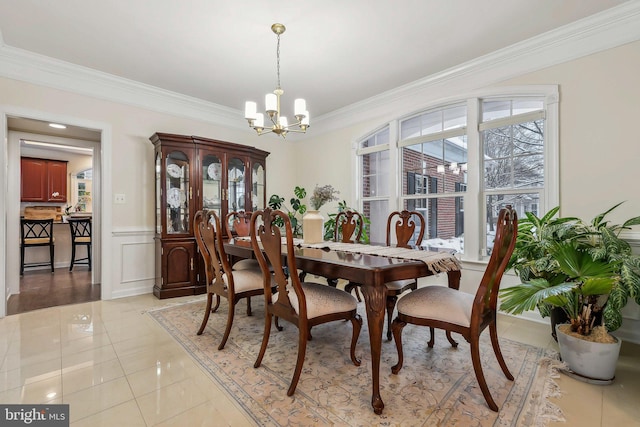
[599,143]
[133,153]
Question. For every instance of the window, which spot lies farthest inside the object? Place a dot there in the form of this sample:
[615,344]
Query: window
[512,138]
[374,166]
[459,164]
[433,157]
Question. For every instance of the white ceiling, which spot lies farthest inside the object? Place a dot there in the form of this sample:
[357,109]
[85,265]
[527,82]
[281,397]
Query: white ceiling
[334,52]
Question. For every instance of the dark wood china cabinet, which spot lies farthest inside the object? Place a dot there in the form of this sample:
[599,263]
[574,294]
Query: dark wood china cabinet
[194,173]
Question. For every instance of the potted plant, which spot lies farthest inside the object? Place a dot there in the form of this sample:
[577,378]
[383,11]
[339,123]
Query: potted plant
[582,268]
[297,207]
[321,195]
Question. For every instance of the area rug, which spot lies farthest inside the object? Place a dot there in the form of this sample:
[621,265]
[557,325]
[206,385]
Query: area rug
[436,387]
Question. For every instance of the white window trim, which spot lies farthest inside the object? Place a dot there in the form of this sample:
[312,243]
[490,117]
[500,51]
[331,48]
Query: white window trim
[475,218]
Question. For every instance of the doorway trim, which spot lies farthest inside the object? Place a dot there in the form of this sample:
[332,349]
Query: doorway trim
[105,220]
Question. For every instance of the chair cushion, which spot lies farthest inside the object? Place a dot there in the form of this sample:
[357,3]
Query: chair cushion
[245,280]
[322,299]
[246,264]
[399,285]
[37,240]
[83,239]
[438,303]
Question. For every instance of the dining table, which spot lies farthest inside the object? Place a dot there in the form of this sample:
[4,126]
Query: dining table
[372,271]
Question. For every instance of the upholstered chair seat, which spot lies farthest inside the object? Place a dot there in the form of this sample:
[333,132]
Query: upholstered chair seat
[245,280]
[321,300]
[439,303]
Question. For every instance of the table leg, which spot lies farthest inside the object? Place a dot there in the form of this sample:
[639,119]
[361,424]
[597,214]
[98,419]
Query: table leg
[375,298]
[453,279]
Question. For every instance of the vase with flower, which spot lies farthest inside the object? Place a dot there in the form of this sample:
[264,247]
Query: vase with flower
[313,221]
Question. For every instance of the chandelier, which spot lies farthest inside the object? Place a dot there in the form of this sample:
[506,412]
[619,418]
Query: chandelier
[279,124]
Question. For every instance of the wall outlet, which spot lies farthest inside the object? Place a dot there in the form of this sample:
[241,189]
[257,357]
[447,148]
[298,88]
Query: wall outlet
[119,199]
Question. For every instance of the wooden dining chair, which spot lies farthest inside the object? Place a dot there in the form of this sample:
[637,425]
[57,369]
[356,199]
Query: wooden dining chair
[34,233]
[237,225]
[455,311]
[302,304]
[222,280]
[404,224]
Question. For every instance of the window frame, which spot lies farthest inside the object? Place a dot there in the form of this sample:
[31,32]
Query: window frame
[474,199]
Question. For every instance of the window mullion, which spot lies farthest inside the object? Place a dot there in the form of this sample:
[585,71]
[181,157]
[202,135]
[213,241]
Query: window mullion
[473,215]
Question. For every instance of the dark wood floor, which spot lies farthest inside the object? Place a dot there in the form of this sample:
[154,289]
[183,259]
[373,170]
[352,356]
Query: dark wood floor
[41,289]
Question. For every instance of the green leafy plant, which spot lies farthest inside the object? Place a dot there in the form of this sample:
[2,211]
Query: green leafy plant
[297,208]
[330,223]
[585,268]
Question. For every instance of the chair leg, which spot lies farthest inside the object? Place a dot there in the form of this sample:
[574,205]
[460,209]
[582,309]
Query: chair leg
[356,321]
[89,255]
[265,338]
[207,311]
[249,306]
[432,337]
[493,332]
[21,260]
[391,305]
[302,350]
[227,329]
[73,256]
[277,322]
[453,342]
[397,327]
[477,367]
[52,256]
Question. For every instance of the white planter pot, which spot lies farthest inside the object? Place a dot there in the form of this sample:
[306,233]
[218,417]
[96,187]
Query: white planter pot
[313,227]
[591,360]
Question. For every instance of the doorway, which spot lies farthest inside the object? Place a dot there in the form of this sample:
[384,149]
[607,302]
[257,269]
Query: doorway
[81,148]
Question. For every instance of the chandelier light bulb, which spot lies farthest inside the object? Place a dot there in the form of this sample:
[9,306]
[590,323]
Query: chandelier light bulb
[300,106]
[271,102]
[250,110]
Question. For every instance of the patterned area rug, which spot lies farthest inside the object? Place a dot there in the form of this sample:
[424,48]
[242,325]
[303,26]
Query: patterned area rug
[435,387]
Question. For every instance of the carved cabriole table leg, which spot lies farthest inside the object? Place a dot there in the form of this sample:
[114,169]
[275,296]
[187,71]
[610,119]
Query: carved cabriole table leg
[375,298]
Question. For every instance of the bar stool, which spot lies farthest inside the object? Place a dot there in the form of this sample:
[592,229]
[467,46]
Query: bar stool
[33,233]
[80,236]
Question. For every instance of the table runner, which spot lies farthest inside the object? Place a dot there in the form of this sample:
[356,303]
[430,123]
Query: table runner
[437,262]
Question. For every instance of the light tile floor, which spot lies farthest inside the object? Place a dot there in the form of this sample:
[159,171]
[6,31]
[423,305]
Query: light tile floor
[116,367]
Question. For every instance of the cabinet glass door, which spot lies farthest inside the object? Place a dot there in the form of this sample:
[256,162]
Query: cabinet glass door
[177,186]
[257,187]
[212,183]
[236,183]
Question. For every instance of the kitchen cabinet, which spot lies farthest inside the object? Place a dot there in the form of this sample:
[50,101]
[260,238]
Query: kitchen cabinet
[193,173]
[43,180]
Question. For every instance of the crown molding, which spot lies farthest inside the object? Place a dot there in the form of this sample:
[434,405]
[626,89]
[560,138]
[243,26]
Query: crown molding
[605,30]
[611,28]
[22,65]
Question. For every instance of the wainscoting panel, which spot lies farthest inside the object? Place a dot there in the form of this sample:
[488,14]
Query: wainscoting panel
[134,258]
